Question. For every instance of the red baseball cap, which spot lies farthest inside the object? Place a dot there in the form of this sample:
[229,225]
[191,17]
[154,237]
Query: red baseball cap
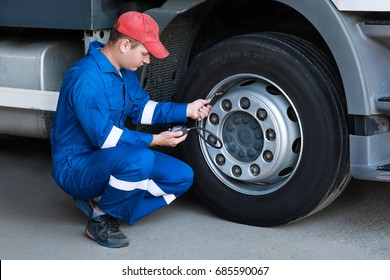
[143,28]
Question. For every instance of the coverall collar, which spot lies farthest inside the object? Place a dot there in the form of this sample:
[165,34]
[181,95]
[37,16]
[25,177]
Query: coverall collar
[102,61]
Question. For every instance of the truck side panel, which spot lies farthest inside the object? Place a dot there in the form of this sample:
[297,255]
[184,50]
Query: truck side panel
[96,14]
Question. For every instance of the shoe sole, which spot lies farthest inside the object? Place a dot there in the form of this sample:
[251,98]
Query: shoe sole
[91,235]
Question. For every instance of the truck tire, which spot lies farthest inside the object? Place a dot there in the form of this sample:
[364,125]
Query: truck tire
[284,127]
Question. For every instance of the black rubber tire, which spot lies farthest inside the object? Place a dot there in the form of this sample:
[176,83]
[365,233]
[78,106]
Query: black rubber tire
[314,88]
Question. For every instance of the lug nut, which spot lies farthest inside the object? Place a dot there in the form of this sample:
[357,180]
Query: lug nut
[262,114]
[255,169]
[214,119]
[268,156]
[236,171]
[226,105]
[245,103]
[220,159]
[211,139]
[270,134]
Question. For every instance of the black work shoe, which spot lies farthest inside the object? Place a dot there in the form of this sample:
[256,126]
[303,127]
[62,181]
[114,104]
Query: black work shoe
[105,231]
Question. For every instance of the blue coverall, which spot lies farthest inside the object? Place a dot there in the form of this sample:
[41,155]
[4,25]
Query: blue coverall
[94,154]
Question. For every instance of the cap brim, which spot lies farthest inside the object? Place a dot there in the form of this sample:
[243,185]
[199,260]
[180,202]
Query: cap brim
[157,49]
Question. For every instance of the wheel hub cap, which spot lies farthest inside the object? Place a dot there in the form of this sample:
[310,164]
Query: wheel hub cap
[261,136]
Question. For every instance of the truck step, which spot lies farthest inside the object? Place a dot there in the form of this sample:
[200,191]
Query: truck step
[384,167]
[370,157]
[383,104]
[382,173]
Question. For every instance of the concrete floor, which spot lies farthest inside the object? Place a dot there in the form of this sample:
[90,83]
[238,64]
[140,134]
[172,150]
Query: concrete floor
[39,221]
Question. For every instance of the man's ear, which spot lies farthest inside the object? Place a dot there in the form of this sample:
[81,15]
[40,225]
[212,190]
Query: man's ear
[124,45]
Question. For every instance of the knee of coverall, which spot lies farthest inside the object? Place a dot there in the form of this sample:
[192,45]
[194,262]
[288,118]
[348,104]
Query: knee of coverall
[139,162]
[185,175]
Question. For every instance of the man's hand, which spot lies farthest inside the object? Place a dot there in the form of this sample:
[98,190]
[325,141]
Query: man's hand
[168,138]
[199,109]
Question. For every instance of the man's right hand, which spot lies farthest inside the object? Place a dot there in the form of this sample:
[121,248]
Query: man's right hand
[168,138]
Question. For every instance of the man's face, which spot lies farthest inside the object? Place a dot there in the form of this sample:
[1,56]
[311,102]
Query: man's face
[135,57]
